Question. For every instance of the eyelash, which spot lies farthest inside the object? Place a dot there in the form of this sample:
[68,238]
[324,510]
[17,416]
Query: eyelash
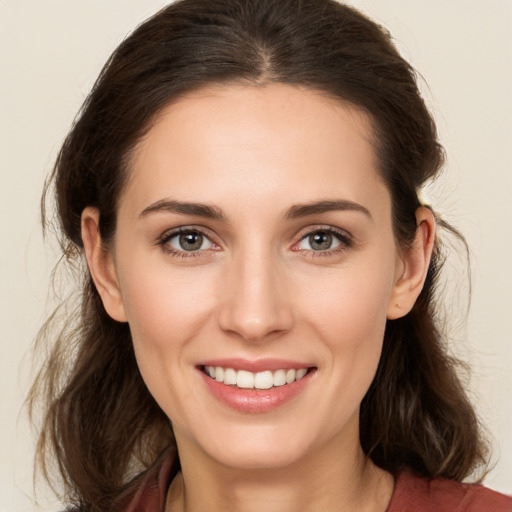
[163,242]
[344,239]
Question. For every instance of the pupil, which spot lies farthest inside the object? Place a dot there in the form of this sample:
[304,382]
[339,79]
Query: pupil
[320,241]
[191,241]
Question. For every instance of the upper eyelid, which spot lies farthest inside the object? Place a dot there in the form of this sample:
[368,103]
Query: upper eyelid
[330,229]
[166,235]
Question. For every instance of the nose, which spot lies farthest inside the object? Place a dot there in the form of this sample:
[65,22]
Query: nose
[256,302]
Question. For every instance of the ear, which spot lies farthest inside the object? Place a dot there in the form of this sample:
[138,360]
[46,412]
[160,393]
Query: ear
[101,265]
[415,262]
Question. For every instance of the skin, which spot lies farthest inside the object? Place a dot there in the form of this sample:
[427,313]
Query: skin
[257,289]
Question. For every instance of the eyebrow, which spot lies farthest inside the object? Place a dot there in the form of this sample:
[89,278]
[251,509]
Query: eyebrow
[195,209]
[304,210]
[214,213]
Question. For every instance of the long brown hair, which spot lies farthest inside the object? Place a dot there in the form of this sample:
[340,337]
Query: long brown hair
[101,425]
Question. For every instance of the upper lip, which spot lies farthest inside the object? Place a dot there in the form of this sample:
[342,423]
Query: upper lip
[257,365]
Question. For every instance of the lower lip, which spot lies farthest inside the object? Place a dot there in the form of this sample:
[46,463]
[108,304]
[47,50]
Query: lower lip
[255,400]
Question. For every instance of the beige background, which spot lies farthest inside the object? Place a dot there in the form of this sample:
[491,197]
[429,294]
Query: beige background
[50,53]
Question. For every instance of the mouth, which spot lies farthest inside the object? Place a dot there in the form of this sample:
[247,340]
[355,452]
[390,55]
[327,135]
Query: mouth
[263,390]
[266,379]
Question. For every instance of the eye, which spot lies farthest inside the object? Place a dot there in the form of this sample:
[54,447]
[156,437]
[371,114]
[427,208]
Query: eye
[319,241]
[188,241]
[323,241]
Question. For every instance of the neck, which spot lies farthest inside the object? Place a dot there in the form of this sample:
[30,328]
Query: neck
[324,481]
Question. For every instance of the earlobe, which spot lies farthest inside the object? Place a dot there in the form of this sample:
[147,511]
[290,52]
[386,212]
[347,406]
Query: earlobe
[101,265]
[416,261]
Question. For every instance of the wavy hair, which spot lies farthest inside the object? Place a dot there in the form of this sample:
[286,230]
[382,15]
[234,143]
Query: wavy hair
[100,424]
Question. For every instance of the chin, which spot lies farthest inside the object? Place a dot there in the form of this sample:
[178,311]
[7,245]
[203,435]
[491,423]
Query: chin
[256,457]
[258,447]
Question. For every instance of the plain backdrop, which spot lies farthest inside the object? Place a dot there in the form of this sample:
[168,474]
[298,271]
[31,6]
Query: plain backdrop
[50,54]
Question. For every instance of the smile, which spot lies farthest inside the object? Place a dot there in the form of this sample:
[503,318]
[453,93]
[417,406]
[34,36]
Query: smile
[244,379]
[256,386]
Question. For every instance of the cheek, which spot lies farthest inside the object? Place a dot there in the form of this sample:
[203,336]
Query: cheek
[350,304]
[348,313]
[165,308]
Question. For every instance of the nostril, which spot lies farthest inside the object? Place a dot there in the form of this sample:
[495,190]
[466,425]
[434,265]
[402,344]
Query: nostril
[254,311]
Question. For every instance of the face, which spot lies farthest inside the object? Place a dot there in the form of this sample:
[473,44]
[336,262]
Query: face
[254,247]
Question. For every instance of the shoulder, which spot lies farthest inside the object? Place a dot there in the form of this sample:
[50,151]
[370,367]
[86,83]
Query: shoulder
[415,494]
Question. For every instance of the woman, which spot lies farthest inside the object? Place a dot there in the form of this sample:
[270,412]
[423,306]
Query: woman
[257,326]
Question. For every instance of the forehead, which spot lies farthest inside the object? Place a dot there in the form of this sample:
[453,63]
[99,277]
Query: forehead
[266,141]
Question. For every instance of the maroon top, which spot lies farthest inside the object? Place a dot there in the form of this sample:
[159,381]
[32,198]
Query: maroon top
[411,494]
[415,494]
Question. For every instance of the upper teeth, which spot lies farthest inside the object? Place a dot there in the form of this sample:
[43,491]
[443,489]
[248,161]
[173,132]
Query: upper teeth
[250,380]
